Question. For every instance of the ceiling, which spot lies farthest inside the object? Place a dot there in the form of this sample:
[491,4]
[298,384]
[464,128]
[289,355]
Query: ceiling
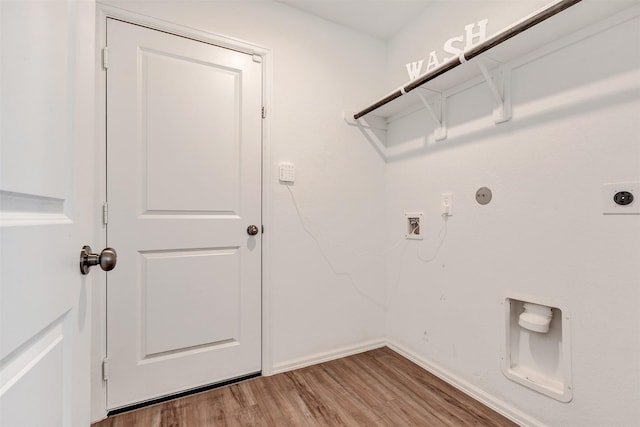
[378,18]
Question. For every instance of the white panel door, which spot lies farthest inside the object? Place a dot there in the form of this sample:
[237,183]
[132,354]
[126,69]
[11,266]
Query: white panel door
[46,205]
[184,183]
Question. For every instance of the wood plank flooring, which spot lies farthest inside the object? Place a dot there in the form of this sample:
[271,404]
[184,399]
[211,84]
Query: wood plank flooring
[375,388]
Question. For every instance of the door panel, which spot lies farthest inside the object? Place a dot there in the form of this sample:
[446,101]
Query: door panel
[196,133]
[46,207]
[184,182]
[210,276]
[38,376]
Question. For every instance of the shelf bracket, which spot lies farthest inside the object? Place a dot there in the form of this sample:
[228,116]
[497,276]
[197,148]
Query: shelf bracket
[369,122]
[500,88]
[373,127]
[440,118]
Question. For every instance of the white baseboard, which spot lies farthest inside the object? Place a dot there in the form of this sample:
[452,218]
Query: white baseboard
[476,393]
[327,356]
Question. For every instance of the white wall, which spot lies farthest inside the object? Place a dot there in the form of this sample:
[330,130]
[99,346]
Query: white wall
[319,69]
[575,126]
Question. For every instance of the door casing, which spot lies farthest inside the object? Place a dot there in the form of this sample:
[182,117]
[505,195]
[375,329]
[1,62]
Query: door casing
[99,331]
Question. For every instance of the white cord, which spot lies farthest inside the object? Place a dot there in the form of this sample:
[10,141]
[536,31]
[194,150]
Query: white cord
[384,251]
[442,239]
[326,258]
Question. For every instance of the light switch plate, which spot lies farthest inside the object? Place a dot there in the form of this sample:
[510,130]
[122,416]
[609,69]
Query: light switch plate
[287,172]
[628,194]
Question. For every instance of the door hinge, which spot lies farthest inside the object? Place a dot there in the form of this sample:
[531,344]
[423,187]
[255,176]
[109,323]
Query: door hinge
[257,58]
[105,213]
[264,113]
[105,369]
[105,57]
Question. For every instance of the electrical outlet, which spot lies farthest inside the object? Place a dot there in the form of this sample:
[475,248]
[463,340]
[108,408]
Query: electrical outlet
[446,207]
[621,198]
[413,221]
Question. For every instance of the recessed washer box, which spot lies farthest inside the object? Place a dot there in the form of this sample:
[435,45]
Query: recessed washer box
[621,198]
[413,224]
[539,361]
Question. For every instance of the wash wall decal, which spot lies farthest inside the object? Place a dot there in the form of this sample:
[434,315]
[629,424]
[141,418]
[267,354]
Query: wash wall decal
[453,45]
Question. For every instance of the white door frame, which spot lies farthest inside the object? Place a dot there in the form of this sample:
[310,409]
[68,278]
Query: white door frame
[99,332]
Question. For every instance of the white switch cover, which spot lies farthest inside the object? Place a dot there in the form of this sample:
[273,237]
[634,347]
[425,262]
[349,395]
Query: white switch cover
[287,172]
[628,194]
[446,207]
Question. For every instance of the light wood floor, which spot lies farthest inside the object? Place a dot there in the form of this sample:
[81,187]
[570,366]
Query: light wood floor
[376,388]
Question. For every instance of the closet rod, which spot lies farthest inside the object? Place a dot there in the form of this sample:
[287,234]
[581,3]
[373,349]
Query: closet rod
[491,42]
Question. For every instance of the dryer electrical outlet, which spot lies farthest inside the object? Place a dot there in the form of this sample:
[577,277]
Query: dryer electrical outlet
[621,198]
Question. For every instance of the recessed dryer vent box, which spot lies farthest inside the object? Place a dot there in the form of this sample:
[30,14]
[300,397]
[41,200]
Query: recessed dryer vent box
[540,361]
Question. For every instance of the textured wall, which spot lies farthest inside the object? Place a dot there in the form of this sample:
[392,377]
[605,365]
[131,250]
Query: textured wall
[574,127]
[318,69]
